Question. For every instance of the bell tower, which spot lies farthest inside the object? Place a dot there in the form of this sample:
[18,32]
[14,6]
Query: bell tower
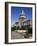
[22,18]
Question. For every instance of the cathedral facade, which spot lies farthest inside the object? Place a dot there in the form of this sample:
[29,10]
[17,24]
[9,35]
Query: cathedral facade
[22,21]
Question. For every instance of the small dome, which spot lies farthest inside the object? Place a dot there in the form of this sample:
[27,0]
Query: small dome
[22,13]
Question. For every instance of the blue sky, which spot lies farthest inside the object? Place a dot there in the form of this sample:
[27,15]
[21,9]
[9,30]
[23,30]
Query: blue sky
[15,11]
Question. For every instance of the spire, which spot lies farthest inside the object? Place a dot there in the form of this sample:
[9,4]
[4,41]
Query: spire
[22,11]
[22,14]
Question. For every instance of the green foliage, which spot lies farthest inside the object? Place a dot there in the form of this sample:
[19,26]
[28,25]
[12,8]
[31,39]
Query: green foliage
[17,27]
[13,28]
[24,27]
